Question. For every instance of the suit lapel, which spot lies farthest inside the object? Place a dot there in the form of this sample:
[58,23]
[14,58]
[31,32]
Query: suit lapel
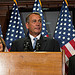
[30,44]
[43,42]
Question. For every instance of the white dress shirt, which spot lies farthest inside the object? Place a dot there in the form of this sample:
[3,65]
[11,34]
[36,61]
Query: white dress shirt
[32,37]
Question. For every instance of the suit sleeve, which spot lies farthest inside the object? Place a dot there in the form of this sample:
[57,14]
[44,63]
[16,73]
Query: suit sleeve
[56,46]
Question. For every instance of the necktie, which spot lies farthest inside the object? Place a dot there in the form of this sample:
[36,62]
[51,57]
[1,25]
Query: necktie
[34,44]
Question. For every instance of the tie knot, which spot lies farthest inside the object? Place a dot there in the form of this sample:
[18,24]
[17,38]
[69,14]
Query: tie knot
[35,39]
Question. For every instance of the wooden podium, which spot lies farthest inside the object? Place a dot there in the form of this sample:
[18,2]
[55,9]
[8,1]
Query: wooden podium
[32,63]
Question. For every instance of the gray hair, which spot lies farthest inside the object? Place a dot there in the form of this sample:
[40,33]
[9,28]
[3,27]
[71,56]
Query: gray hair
[27,18]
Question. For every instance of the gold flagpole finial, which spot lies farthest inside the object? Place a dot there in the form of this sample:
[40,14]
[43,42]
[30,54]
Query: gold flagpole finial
[15,2]
[66,2]
[40,3]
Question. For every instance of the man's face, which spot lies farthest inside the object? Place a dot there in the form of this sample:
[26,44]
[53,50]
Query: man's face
[34,25]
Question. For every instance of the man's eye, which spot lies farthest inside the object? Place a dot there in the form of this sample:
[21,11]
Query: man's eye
[34,20]
[40,21]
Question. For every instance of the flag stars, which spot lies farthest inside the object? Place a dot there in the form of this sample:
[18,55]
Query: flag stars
[57,22]
[34,4]
[65,19]
[69,25]
[65,6]
[69,29]
[40,14]
[12,34]
[7,38]
[16,36]
[43,20]
[35,0]
[20,32]
[8,33]
[34,8]
[68,38]
[65,15]
[11,16]
[64,28]
[61,19]
[14,21]
[64,24]
[11,39]
[62,15]
[42,33]
[73,30]
[16,9]
[19,36]
[38,9]
[8,29]
[13,9]
[12,30]
[15,17]
[43,24]
[43,28]
[56,27]
[38,5]
[64,33]
[68,34]
[65,11]
[18,18]
[21,24]
[13,26]
[10,44]
[60,28]
[73,35]
[17,22]
[17,27]
[10,21]
[59,37]
[63,42]
[62,11]
[17,31]
[16,13]
[21,27]
[69,20]
[69,16]
[59,32]
[63,37]
[61,23]
[55,31]
[12,13]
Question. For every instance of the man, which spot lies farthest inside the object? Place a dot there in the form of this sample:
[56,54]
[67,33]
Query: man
[71,65]
[34,25]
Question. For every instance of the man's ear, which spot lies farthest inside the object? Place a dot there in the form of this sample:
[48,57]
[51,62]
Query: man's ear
[27,26]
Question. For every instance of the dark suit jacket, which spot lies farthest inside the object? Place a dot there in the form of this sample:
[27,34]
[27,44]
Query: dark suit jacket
[71,65]
[46,43]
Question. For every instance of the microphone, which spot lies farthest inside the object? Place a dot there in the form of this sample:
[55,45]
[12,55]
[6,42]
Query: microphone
[38,45]
[26,45]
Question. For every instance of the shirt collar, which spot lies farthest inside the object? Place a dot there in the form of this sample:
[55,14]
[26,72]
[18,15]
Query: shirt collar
[38,37]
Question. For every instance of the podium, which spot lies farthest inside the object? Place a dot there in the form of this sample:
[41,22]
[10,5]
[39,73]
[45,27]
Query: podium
[32,63]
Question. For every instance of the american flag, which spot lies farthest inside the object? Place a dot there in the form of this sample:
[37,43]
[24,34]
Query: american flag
[65,33]
[15,28]
[37,8]
[1,35]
